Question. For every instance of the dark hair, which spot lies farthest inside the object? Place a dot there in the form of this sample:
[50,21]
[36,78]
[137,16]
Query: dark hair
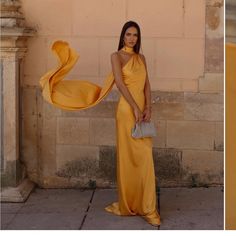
[125,27]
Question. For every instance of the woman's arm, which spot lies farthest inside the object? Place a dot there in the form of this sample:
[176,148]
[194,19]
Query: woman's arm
[117,72]
[147,92]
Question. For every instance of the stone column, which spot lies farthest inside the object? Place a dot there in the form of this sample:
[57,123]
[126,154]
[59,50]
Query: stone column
[15,187]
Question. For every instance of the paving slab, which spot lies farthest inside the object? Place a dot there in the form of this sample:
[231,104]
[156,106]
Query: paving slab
[192,208]
[98,218]
[11,208]
[192,220]
[47,209]
[46,221]
[192,198]
[57,201]
[6,219]
[57,209]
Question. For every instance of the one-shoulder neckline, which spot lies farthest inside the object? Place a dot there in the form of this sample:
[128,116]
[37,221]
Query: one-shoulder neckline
[123,67]
[128,61]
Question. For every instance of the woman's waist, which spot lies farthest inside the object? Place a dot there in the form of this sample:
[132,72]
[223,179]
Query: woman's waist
[134,81]
[136,91]
[138,96]
[135,87]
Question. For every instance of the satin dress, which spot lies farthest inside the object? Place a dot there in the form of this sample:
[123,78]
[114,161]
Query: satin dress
[135,167]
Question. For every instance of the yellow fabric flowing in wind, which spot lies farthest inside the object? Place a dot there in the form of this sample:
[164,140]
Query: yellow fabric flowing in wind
[230,136]
[71,94]
[135,167]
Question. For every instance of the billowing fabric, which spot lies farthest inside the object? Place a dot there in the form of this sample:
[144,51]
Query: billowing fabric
[135,167]
[71,94]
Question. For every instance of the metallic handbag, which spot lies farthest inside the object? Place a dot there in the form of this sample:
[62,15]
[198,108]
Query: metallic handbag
[143,130]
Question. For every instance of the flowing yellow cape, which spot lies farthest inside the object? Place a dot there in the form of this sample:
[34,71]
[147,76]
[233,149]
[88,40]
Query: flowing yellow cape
[71,94]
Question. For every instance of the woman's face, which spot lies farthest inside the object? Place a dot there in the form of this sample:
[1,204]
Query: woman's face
[131,37]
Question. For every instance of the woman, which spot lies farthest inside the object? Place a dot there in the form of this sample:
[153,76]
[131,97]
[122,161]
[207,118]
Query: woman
[135,168]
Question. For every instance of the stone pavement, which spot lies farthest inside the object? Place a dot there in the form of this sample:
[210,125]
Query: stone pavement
[74,209]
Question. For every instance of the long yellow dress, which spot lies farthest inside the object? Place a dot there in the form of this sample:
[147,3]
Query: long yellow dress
[135,167]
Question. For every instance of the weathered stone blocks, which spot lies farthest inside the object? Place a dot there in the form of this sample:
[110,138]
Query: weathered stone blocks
[190,134]
[203,167]
[185,65]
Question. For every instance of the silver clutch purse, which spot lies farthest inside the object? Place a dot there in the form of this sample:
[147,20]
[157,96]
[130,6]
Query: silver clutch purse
[143,130]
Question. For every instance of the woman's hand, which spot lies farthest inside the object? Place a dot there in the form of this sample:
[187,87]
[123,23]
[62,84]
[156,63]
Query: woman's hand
[147,114]
[138,115]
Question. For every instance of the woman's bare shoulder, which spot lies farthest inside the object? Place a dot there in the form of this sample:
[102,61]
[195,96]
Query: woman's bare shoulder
[142,57]
[115,58]
[116,54]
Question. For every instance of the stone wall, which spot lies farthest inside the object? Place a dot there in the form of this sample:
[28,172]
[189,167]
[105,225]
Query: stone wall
[183,45]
